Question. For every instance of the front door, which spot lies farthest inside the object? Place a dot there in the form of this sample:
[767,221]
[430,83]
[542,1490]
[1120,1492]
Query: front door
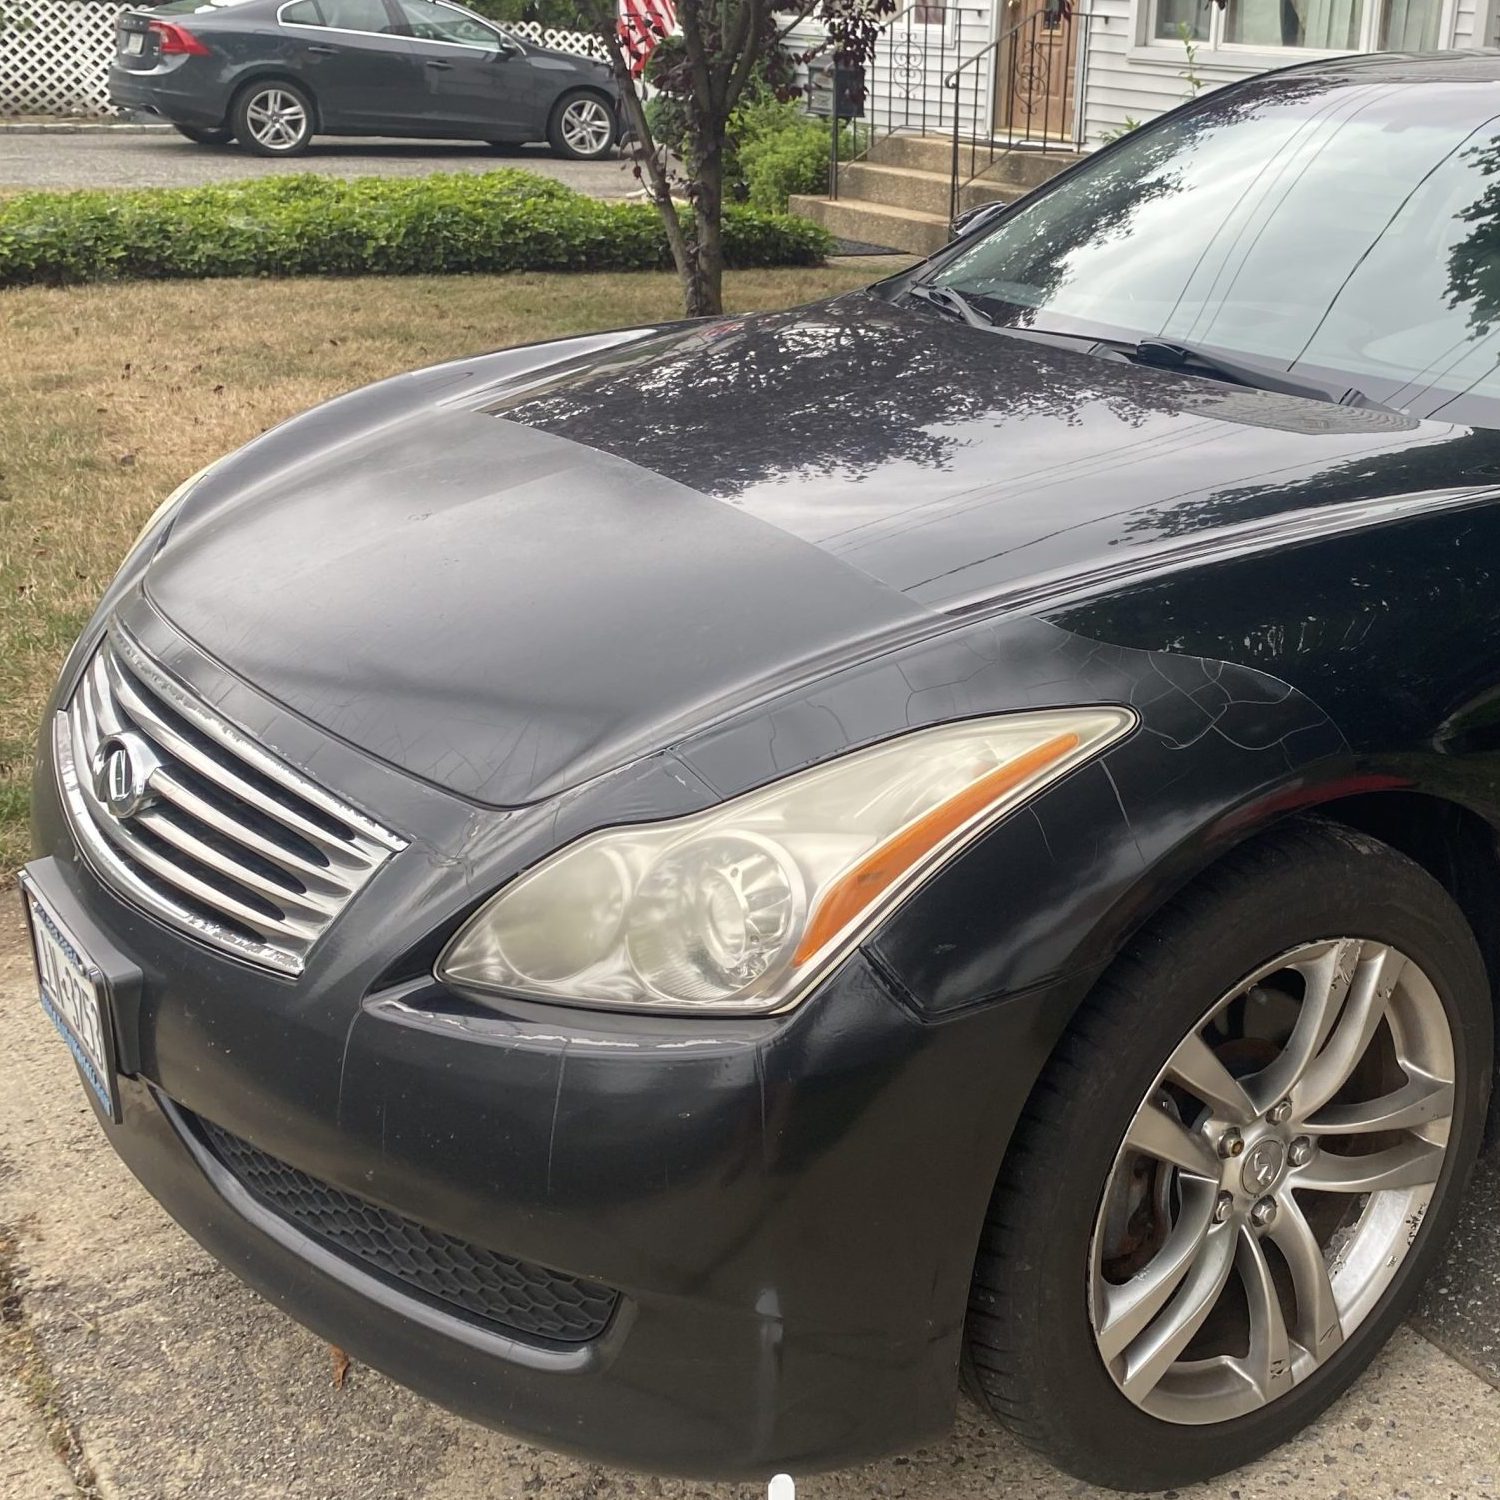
[1036,68]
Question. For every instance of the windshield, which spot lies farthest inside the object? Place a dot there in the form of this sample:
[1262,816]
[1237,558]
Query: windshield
[1318,225]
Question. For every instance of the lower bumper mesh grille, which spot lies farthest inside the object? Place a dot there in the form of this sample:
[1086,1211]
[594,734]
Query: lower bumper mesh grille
[520,1298]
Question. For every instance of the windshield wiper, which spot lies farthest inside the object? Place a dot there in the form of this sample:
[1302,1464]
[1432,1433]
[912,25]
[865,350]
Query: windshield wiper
[953,304]
[1162,354]
[1166,354]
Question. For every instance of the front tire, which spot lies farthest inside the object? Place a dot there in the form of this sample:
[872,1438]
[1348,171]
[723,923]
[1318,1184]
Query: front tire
[1198,1240]
[201,135]
[273,118]
[582,127]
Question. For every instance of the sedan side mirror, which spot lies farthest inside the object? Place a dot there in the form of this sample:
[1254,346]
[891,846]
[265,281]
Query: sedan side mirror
[975,219]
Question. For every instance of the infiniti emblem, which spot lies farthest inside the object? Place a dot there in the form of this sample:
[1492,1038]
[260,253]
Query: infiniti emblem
[123,767]
[1262,1165]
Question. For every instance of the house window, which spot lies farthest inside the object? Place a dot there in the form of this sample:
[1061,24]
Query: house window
[1173,15]
[1304,25]
[1324,25]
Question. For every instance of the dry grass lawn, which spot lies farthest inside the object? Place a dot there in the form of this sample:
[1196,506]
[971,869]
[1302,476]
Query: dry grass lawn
[110,396]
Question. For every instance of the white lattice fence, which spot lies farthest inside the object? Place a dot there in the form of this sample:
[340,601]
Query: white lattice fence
[581,42]
[55,54]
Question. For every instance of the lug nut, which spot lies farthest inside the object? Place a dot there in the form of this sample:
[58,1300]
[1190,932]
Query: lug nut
[1280,1113]
[1230,1143]
[1300,1152]
[1264,1213]
[1223,1207]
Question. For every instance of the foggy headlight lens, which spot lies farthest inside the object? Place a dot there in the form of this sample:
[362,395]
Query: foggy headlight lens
[713,916]
[741,908]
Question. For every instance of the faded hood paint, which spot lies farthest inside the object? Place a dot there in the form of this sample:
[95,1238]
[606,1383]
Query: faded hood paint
[509,574]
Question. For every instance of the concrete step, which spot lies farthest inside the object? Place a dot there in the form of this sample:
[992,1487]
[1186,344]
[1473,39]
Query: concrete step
[876,223]
[926,192]
[1025,166]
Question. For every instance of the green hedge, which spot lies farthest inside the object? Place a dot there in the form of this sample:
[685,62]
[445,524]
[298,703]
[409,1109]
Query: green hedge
[306,225]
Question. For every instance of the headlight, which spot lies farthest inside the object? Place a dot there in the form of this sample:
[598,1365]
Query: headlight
[740,909]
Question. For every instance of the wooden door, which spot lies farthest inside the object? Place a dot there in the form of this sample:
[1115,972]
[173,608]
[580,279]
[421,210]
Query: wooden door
[1036,69]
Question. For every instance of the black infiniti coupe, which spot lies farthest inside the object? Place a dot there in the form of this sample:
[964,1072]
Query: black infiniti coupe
[688,890]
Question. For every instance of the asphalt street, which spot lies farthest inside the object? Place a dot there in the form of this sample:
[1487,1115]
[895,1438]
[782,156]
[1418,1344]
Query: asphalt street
[162,158]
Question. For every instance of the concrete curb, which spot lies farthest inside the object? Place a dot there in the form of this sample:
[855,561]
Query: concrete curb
[70,127]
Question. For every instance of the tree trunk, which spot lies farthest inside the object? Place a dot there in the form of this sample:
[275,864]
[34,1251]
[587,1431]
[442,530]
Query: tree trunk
[703,285]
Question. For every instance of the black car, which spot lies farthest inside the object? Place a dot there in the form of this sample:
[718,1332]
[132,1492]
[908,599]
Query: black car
[685,890]
[273,73]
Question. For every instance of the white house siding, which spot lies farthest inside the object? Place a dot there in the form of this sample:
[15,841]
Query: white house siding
[905,81]
[1127,80]
[1118,88]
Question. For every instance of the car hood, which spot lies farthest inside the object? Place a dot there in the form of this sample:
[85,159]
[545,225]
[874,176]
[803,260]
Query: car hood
[509,574]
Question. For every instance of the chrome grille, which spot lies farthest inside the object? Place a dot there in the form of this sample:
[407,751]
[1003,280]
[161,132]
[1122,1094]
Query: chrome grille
[193,821]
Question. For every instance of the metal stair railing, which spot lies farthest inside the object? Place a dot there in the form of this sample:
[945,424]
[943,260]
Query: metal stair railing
[912,59]
[1039,116]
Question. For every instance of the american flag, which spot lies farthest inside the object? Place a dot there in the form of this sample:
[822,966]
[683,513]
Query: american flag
[643,23]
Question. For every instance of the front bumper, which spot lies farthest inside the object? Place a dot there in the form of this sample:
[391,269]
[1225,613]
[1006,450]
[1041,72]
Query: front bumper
[787,1208]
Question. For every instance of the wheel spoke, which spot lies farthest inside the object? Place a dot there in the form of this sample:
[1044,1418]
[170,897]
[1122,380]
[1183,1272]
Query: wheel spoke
[1318,1328]
[1126,1310]
[1326,979]
[1154,1353]
[1364,1009]
[1413,1163]
[1153,1132]
[1196,1067]
[1269,1362]
[1419,1101]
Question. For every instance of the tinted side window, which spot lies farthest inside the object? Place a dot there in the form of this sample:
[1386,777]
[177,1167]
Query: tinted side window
[437,23]
[356,15]
[303,13]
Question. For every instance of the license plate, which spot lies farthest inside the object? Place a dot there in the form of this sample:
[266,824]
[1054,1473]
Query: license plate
[74,996]
[135,43]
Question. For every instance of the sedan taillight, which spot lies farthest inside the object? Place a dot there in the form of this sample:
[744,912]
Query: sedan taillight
[175,41]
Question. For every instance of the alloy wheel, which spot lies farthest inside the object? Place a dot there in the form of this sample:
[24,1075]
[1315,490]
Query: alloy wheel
[277,119]
[586,126]
[1272,1181]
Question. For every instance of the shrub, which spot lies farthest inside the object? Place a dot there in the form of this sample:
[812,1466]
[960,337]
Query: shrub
[783,150]
[305,225]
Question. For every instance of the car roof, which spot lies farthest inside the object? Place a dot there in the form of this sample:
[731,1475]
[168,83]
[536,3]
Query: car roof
[1476,65]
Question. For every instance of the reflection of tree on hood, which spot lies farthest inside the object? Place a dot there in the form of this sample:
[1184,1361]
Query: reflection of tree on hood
[839,389]
[1454,458]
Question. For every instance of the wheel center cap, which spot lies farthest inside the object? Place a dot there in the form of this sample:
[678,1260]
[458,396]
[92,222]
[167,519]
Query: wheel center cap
[1262,1165]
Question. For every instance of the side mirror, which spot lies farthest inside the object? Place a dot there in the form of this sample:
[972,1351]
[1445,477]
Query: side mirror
[975,219]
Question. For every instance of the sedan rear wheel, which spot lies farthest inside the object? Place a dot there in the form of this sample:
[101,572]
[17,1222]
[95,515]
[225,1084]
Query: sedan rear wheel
[582,127]
[1251,1186]
[273,119]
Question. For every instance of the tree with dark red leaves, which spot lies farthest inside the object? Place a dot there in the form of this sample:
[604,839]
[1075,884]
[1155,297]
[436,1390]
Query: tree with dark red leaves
[722,44]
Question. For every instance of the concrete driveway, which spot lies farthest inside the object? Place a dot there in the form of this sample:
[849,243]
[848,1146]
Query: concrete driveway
[162,158]
[135,1367]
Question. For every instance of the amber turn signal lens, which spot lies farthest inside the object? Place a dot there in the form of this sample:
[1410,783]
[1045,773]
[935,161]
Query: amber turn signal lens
[883,867]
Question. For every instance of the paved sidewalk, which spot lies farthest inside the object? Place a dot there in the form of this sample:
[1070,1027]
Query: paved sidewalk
[179,1384]
[162,158]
